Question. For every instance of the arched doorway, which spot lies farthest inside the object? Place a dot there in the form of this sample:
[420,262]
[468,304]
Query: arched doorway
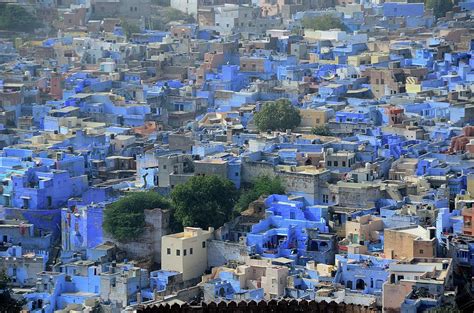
[360,284]
[222,292]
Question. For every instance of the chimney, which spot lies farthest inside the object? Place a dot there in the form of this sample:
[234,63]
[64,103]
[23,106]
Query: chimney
[445,264]
[432,231]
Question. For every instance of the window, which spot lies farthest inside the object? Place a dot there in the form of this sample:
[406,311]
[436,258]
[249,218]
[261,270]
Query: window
[203,244]
[168,251]
[336,163]
[25,203]
[344,163]
[190,250]
[178,252]
[421,251]
[329,163]
[184,252]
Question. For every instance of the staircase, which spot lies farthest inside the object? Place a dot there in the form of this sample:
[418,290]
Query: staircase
[53,257]
[394,193]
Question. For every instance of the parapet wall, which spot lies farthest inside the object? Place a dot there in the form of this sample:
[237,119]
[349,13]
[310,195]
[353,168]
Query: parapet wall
[263,306]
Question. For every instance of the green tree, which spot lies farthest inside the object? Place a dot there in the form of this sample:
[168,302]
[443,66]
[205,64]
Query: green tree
[7,302]
[17,18]
[124,219]
[129,28]
[166,15]
[204,201]
[263,186]
[440,7]
[321,131]
[277,115]
[324,22]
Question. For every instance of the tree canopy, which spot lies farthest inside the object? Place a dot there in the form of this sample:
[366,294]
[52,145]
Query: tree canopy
[440,7]
[324,22]
[17,18]
[125,218]
[321,131]
[166,15]
[204,201]
[129,28]
[263,186]
[7,302]
[277,115]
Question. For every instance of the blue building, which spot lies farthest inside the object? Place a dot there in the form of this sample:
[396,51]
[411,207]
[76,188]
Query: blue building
[396,9]
[284,232]
[362,272]
[81,229]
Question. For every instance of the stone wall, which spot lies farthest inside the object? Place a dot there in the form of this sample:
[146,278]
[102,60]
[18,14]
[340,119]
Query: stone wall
[252,170]
[308,185]
[148,246]
[356,195]
[221,252]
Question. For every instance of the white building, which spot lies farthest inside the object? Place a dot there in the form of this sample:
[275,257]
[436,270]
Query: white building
[186,252]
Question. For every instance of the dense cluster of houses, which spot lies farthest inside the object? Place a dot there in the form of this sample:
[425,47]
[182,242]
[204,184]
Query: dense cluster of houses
[378,210]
